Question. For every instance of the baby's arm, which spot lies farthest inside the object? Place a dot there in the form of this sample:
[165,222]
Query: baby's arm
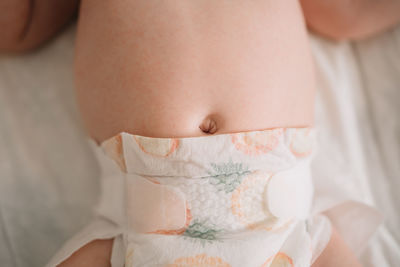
[350,19]
[26,24]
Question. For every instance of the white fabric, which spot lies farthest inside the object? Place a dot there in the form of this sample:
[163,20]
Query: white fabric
[357,109]
[48,173]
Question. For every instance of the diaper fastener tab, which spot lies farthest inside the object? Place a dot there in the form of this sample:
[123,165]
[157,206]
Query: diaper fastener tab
[289,193]
[152,207]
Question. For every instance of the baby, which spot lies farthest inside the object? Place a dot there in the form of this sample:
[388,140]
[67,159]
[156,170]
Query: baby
[178,69]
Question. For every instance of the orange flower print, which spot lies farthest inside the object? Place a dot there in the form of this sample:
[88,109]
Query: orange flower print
[114,148]
[279,260]
[159,147]
[257,142]
[200,260]
[129,257]
[301,143]
[247,203]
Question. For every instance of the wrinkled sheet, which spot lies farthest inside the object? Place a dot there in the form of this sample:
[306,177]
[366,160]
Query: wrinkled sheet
[49,175]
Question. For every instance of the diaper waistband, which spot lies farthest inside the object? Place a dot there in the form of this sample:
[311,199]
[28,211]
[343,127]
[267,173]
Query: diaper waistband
[214,184]
[195,157]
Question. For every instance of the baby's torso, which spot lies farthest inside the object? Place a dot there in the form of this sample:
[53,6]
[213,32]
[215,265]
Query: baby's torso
[161,68]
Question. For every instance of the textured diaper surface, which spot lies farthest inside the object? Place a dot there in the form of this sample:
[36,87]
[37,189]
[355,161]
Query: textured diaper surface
[230,200]
[240,199]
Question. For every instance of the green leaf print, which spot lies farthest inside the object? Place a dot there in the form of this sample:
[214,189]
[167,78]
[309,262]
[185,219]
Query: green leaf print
[227,176]
[202,232]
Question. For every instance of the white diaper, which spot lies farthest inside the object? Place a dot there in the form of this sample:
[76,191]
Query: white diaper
[240,199]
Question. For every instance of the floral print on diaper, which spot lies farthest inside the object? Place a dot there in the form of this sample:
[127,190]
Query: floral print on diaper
[279,260]
[200,231]
[301,142]
[200,260]
[227,176]
[245,203]
[258,142]
[227,198]
[160,147]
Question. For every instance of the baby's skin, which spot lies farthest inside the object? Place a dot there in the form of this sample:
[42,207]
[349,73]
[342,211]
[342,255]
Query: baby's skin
[178,68]
[172,68]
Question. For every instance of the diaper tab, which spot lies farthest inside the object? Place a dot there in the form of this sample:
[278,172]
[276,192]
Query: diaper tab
[152,207]
[289,193]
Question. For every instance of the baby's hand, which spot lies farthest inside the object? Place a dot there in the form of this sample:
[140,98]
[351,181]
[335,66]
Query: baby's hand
[26,24]
[350,19]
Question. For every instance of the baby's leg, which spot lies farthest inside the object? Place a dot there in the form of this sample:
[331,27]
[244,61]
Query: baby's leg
[95,254]
[27,24]
[337,253]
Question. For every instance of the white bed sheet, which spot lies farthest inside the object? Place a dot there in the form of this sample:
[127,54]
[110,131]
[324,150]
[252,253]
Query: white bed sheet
[48,174]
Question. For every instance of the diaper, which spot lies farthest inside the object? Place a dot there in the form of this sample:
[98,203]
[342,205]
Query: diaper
[227,200]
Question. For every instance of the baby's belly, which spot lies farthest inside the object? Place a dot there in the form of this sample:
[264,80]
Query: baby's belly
[182,68]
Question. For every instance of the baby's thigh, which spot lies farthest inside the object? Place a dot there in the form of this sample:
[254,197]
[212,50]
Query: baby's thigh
[337,253]
[94,254]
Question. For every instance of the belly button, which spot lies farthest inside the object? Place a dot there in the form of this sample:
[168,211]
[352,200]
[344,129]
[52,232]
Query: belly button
[209,125]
